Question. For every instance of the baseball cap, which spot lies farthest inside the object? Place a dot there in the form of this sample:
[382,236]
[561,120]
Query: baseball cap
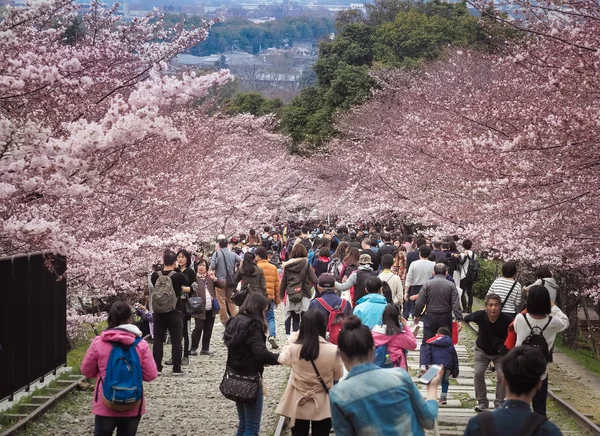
[326,280]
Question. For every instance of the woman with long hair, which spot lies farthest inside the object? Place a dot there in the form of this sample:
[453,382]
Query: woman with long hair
[245,337]
[376,400]
[545,317]
[350,263]
[204,321]
[297,275]
[184,265]
[336,262]
[94,365]
[306,397]
[399,266]
[398,339]
[251,276]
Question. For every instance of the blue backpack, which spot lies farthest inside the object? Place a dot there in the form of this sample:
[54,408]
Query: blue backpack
[382,358]
[122,386]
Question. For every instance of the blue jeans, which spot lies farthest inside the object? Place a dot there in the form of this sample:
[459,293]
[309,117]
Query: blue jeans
[249,416]
[446,381]
[271,319]
[126,426]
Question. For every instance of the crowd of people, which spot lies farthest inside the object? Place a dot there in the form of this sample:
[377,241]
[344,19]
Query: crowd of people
[347,296]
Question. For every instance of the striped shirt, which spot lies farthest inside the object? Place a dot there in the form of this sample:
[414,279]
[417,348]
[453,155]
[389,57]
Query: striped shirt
[501,287]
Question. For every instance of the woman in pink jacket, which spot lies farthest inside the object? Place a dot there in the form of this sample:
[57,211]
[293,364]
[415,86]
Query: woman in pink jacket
[398,339]
[94,366]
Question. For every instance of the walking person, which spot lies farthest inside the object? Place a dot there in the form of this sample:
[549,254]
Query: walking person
[419,273]
[251,276]
[204,321]
[245,338]
[168,316]
[184,265]
[120,333]
[316,366]
[439,298]
[440,350]
[223,262]
[508,289]
[463,260]
[398,339]
[296,285]
[272,283]
[489,347]
[373,400]
[538,327]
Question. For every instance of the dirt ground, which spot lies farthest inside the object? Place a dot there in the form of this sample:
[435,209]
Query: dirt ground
[576,385]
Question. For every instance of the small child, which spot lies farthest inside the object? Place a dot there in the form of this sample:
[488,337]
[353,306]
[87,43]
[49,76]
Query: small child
[441,351]
[397,339]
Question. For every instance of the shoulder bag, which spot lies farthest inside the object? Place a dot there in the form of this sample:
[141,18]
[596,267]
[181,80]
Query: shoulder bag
[241,388]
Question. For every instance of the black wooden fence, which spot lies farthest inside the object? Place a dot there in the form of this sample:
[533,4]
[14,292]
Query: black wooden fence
[33,322]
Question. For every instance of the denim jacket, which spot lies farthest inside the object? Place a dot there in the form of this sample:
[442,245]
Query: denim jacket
[372,401]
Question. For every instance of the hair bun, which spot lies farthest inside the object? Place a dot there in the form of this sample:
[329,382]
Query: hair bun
[352,322]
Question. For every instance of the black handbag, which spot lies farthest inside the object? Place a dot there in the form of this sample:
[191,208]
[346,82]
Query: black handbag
[242,388]
[239,297]
[195,306]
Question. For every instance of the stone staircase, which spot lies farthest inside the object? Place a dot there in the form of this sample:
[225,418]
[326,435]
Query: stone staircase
[453,416]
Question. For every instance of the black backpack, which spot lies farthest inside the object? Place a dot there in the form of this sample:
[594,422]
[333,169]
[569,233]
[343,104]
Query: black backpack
[359,286]
[536,338]
[472,270]
[387,291]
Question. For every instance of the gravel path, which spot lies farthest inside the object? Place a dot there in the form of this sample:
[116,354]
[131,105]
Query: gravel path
[188,405]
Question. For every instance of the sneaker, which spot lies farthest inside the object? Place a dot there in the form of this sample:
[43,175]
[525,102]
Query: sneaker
[169,362]
[206,353]
[273,342]
[193,352]
[443,400]
[479,409]
[178,373]
[185,361]
[159,372]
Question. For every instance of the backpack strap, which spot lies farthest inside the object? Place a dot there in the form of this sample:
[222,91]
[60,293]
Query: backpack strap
[509,293]
[486,424]
[326,306]
[549,319]
[532,424]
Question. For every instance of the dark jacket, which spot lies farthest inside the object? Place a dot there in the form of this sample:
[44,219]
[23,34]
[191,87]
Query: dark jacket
[440,351]
[440,296]
[333,300]
[320,265]
[387,248]
[246,350]
[298,271]
[411,257]
[255,282]
[438,256]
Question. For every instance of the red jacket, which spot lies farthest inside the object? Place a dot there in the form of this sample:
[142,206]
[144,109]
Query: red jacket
[96,358]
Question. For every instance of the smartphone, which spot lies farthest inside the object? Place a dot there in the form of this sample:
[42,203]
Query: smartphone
[430,374]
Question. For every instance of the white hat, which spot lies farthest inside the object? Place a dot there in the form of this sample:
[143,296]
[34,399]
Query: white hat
[221,237]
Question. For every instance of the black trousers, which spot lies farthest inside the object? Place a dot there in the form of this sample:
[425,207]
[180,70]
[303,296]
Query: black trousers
[173,322]
[186,337]
[467,289]
[126,426]
[319,428]
[539,399]
[203,328]
[431,323]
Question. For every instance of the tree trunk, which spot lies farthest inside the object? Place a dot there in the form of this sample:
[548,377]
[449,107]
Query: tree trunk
[569,290]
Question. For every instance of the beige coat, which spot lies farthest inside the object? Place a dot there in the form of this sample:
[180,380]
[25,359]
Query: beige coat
[304,396]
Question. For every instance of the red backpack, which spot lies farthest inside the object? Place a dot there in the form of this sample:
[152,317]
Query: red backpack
[336,317]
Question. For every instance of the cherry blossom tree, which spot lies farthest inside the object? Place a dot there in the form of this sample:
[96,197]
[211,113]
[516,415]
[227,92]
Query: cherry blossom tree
[106,155]
[502,148]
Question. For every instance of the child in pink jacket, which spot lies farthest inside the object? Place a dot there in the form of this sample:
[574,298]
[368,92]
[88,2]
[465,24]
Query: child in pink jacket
[94,366]
[398,339]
